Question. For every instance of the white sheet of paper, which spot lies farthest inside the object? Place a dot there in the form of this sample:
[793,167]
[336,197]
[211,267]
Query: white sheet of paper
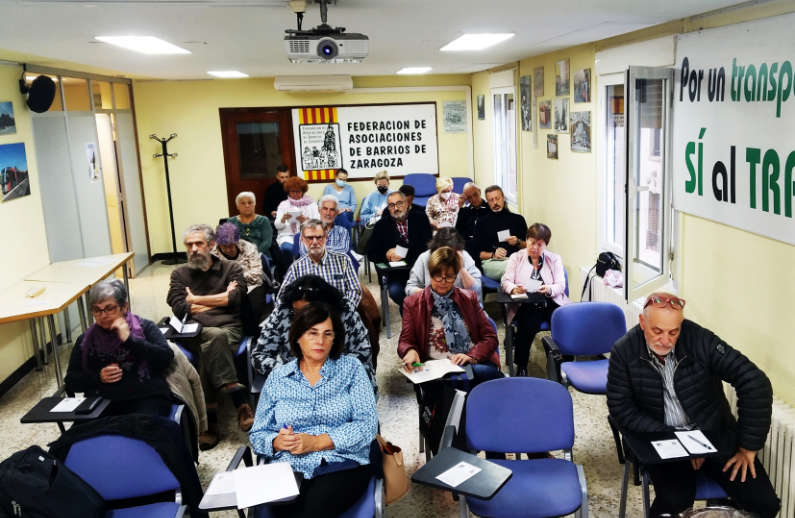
[402,251]
[532,285]
[175,323]
[431,370]
[519,296]
[221,492]
[395,264]
[163,330]
[503,235]
[190,328]
[695,442]
[67,404]
[264,483]
[458,474]
[669,449]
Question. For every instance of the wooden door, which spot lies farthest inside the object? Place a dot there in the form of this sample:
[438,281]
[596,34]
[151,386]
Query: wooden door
[256,141]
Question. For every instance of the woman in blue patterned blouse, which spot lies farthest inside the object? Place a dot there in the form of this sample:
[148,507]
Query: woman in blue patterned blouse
[318,413]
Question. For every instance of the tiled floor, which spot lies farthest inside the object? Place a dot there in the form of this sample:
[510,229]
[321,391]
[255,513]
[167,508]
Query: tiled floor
[397,408]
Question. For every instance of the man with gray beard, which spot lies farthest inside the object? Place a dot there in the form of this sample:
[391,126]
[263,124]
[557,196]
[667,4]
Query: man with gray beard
[211,291]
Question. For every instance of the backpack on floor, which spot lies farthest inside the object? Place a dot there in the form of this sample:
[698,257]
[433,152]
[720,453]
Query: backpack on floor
[34,484]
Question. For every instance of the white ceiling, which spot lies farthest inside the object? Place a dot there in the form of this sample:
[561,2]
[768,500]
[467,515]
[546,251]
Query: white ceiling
[246,35]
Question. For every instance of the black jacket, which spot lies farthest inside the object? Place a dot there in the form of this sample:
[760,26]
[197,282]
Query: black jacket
[274,195]
[468,225]
[386,236]
[635,388]
[493,223]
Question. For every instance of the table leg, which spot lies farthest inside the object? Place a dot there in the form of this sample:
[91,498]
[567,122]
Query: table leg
[43,341]
[67,324]
[81,310]
[34,334]
[385,305]
[56,359]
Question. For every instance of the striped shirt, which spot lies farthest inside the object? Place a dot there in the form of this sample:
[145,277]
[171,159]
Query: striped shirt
[335,268]
[675,415]
[338,239]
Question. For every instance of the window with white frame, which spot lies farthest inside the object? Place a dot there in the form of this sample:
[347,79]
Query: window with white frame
[504,132]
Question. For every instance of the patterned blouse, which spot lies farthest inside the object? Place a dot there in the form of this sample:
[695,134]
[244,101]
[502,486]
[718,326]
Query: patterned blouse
[273,347]
[249,260]
[341,404]
[442,213]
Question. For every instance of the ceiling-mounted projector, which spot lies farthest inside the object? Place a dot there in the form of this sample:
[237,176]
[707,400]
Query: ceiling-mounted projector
[324,44]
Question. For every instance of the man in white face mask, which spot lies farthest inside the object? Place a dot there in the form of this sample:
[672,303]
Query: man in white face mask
[442,208]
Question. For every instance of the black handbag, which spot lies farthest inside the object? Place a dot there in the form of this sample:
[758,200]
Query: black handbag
[605,261]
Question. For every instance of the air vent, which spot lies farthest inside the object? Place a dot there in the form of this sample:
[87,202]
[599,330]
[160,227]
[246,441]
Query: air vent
[299,46]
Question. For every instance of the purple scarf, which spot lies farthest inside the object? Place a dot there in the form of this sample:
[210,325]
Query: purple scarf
[104,347]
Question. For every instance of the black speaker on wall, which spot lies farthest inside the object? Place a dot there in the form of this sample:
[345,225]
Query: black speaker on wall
[41,93]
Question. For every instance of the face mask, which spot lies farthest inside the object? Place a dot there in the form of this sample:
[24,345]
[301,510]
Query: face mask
[444,195]
[341,183]
[382,190]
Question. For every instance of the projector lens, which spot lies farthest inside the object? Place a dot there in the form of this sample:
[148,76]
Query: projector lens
[327,49]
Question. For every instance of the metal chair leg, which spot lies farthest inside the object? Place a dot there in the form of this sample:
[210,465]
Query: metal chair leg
[385,305]
[622,502]
[646,500]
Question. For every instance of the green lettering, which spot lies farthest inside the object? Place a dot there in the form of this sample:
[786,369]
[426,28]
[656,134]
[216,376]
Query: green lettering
[789,186]
[752,156]
[750,83]
[690,150]
[770,166]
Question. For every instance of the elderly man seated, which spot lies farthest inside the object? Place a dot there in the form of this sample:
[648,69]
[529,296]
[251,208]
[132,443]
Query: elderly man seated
[338,237]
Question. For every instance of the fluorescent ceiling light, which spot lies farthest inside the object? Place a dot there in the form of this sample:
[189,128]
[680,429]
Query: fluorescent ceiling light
[143,44]
[475,42]
[227,74]
[414,70]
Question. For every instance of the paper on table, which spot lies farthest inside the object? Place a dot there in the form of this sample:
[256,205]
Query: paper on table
[395,264]
[431,370]
[503,235]
[402,251]
[175,323]
[264,483]
[669,449]
[163,330]
[695,442]
[518,296]
[68,404]
[458,474]
[221,492]
[190,328]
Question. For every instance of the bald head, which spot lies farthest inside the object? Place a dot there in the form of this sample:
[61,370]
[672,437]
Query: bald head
[661,322]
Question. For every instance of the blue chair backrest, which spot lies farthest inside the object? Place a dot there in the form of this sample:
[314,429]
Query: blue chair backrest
[459,182]
[493,323]
[519,415]
[120,467]
[424,184]
[588,328]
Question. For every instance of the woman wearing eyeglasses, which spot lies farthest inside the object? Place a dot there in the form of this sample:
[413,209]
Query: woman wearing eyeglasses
[317,412]
[273,346]
[121,357]
[523,273]
[443,321]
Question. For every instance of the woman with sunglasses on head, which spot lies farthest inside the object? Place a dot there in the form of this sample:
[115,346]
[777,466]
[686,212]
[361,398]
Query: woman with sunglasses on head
[317,413]
[121,357]
[273,346]
[525,269]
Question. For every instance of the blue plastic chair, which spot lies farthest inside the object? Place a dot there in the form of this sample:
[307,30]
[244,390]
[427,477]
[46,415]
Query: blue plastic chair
[583,329]
[424,186]
[534,415]
[121,468]
[459,182]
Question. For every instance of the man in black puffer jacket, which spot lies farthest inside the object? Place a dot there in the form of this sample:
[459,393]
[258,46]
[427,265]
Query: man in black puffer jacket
[666,374]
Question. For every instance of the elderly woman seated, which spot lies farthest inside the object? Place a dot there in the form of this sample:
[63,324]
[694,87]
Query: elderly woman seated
[297,208]
[468,274]
[442,208]
[273,346]
[253,228]
[121,357]
[228,246]
[443,321]
[526,269]
[317,412]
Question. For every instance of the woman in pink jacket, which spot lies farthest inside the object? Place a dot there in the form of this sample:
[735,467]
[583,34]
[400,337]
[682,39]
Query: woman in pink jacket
[524,270]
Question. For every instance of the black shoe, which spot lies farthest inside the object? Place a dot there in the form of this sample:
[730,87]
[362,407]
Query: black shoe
[521,371]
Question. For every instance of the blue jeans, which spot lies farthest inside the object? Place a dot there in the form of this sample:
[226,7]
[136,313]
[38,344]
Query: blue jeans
[397,292]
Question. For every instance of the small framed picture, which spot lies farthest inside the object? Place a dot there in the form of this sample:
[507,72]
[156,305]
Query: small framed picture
[561,110]
[552,146]
[582,86]
[524,102]
[481,107]
[538,81]
[545,114]
[562,77]
[8,125]
[581,132]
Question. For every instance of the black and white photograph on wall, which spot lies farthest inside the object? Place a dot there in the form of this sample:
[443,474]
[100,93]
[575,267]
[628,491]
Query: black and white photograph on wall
[581,132]
[582,86]
[455,116]
[91,158]
[524,101]
[562,77]
[561,109]
[13,171]
[8,125]
[320,146]
[538,81]
[544,114]
[552,146]
[481,107]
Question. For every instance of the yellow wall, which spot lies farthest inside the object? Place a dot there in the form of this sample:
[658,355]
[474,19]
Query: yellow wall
[24,238]
[738,284]
[190,109]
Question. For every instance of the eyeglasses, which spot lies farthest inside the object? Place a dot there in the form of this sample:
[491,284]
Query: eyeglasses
[444,278]
[660,301]
[396,204]
[107,309]
[315,238]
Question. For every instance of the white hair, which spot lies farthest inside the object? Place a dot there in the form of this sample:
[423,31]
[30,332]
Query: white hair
[328,197]
[443,182]
[246,194]
[470,184]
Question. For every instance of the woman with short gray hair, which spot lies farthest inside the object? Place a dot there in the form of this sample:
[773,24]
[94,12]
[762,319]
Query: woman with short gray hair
[121,357]
[253,228]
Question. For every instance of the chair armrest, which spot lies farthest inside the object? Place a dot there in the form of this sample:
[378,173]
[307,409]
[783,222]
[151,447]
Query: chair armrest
[243,453]
[554,358]
[380,498]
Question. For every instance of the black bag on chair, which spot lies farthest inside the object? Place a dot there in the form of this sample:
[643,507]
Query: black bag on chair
[35,484]
[605,261]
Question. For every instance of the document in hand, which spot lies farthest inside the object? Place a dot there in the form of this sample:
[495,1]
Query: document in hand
[695,441]
[431,370]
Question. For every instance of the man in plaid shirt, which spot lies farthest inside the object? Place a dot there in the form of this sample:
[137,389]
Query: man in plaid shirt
[335,268]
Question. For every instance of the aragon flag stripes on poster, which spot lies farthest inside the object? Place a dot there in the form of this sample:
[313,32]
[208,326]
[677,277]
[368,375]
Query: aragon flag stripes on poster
[365,139]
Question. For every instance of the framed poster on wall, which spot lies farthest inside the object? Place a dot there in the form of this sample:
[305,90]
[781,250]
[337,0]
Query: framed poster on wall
[365,139]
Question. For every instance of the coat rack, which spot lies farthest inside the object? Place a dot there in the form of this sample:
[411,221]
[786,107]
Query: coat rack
[174,256]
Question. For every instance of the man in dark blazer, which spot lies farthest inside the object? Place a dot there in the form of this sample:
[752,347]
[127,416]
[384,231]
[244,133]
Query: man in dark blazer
[399,229]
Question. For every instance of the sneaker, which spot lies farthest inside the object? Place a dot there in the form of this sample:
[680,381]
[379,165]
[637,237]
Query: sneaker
[245,417]
[207,440]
